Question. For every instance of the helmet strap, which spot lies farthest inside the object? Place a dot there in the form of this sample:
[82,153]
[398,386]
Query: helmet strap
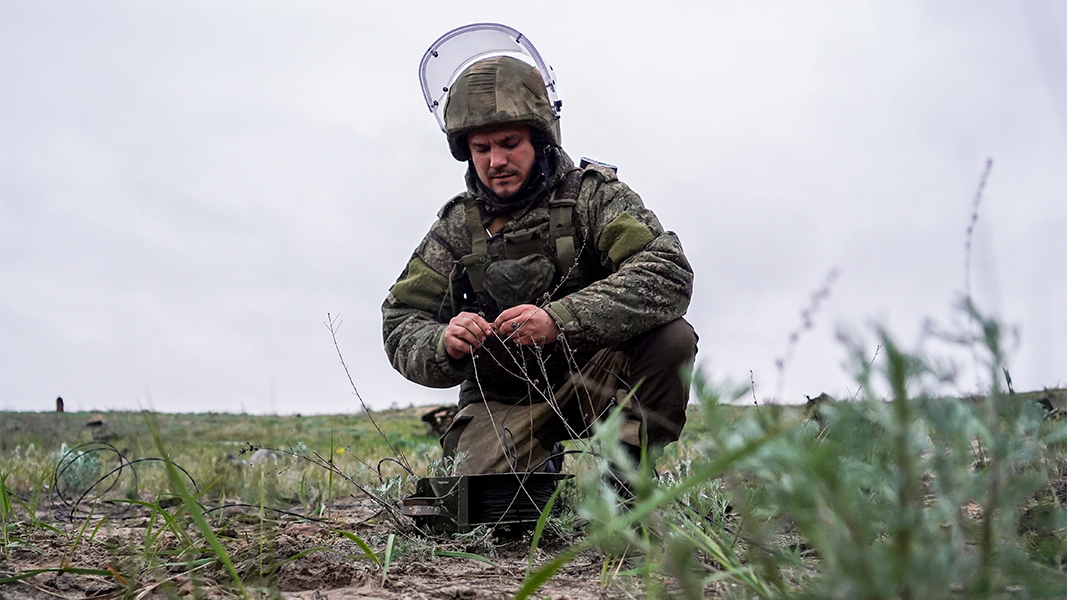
[540,144]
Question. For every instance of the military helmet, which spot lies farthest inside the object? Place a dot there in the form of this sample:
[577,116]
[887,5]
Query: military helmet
[487,74]
[497,91]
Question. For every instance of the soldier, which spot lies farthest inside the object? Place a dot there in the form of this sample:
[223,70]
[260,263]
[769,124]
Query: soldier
[546,291]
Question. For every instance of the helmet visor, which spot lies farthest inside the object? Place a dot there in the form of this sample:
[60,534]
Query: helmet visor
[456,50]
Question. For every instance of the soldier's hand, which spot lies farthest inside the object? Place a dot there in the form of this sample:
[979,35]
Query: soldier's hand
[466,332]
[527,325]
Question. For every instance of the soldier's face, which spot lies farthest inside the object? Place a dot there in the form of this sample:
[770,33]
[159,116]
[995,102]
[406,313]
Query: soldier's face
[503,157]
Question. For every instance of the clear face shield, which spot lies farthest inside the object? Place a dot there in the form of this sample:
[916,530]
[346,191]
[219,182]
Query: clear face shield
[456,50]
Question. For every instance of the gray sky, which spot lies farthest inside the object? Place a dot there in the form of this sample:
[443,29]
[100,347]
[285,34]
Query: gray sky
[188,188]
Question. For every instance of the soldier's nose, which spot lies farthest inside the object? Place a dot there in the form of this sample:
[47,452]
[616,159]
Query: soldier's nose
[497,158]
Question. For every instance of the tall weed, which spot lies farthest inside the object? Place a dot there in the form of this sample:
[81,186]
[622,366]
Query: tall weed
[913,496]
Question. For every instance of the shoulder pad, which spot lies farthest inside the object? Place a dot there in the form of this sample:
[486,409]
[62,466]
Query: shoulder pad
[608,171]
[448,205]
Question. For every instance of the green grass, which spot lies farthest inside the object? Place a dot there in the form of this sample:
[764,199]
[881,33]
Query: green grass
[211,447]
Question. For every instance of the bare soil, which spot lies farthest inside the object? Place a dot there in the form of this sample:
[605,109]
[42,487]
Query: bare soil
[290,557]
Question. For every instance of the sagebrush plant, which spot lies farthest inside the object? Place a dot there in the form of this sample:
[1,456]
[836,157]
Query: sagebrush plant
[911,496]
[76,470]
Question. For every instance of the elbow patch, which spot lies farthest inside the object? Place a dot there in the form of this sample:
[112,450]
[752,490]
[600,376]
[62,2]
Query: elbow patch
[421,287]
[624,236]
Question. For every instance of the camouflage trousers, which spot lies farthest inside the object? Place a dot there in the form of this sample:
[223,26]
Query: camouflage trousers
[500,438]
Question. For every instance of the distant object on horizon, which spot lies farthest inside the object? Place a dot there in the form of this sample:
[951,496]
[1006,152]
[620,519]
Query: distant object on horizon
[99,429]
[59,404]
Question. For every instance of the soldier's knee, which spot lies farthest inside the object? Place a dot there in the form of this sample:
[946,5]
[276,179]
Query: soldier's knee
[673,344]
[450,440]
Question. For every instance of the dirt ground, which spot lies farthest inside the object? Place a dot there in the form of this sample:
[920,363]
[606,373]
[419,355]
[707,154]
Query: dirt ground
[263,552]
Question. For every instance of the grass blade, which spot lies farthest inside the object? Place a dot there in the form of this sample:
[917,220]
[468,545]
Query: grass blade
[71,570]
[467,555]
[359,542]
[5,506]
[540,527]
[193,506]
[534,582]
[388,556]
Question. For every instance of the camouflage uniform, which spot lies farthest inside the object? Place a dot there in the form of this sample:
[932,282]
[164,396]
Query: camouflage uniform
[619,315]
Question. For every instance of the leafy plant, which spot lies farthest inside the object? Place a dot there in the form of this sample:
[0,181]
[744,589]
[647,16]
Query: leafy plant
[917,496]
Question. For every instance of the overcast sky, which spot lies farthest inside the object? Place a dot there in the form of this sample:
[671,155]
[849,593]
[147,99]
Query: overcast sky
[187,189]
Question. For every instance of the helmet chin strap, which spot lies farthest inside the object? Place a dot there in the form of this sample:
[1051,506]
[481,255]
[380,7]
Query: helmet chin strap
[537,139]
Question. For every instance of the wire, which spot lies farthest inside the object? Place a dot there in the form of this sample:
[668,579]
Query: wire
[565,453]
[393,460]
[88,454]
[270,508]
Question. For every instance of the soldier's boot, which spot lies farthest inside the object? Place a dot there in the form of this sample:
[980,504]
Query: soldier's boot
[629,481]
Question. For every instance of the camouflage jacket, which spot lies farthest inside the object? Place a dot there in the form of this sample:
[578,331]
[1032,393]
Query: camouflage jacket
[635,277]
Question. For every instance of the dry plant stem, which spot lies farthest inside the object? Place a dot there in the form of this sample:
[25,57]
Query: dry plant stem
[41,589]
[967,259]
[869,365]
[333,324]
[547,394]
[511,459]
[970,229]
[391,510]
[151,588]
[752,381]
[805,323]
[489,411]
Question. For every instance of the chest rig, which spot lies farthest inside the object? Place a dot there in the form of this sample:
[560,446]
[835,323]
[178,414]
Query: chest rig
[524,243]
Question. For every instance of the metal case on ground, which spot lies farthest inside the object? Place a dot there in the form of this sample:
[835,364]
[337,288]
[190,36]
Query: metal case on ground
[459,504]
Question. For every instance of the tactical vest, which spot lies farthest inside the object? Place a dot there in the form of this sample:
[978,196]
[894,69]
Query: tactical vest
[528,242]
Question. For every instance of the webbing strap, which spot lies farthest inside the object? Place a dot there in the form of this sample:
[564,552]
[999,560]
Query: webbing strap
[478,260]
[561,222]
[560,232]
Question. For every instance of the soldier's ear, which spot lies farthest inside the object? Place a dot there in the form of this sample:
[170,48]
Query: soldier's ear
[537,138]
[462,150]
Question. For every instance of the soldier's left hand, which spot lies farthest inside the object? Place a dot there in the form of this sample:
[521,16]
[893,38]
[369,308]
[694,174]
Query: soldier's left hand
[527,325]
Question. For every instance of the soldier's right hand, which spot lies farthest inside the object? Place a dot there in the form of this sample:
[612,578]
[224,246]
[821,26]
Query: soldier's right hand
[465,333]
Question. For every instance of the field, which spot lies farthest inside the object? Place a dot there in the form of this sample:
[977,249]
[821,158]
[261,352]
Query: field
[913,495]
[289,529]
[285,528]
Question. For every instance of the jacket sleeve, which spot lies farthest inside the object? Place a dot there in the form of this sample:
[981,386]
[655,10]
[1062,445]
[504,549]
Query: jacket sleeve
[416,311]
[649,282]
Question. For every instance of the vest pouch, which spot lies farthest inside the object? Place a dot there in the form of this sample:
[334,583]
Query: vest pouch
[511,282]
[518,244]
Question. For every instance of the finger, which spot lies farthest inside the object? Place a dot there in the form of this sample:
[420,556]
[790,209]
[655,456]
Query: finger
[523,321]
[515,313]
[509,313]
[472,322]
[463,336]
[478,327]
[481,324]
[475,337]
